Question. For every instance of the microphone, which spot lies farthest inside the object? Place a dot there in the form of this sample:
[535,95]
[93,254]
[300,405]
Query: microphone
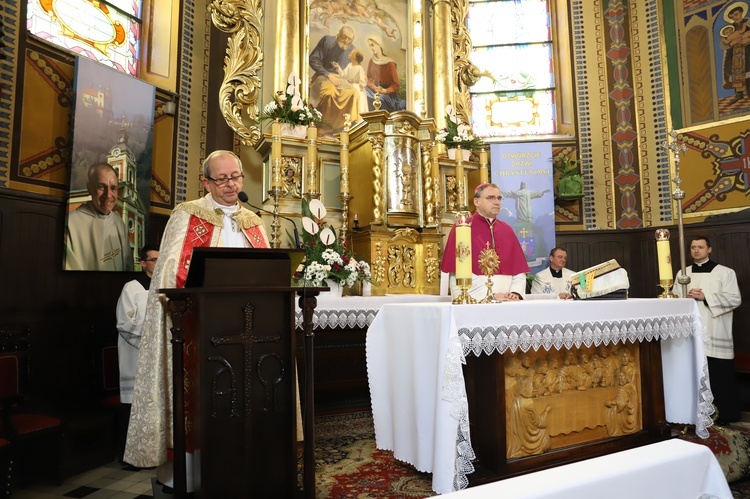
[242,196]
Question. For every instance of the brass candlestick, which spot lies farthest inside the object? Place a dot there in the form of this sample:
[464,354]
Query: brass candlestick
[345,200]
[489,263]
[275,193]
[666,285]
[463,298]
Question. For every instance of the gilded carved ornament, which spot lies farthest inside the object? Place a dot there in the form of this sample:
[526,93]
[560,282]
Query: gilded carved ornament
[238,94]
[466,73]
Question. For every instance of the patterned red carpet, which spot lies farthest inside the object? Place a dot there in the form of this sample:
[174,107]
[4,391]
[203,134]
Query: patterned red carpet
[731,446]
[349,466]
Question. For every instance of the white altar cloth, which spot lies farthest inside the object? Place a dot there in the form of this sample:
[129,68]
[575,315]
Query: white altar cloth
[673,468]
[415,352]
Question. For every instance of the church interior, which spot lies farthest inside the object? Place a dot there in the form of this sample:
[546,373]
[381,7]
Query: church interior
[645,105]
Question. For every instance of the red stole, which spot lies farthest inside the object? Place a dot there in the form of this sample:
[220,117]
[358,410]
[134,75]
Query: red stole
[199,234]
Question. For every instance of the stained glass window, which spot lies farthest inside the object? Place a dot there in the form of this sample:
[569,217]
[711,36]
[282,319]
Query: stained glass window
[512,40]
[108,32]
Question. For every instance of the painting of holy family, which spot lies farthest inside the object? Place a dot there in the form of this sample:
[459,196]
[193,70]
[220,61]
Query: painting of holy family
[357,50]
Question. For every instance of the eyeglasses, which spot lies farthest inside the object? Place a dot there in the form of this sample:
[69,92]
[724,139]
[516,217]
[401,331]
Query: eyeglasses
[150,260]
[493,198]
[221,182]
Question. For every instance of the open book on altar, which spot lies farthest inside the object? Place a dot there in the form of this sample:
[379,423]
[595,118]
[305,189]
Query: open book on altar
[603,281]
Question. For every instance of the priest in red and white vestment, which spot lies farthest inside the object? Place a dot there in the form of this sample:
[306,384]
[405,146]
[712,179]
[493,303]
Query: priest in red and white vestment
[216,220]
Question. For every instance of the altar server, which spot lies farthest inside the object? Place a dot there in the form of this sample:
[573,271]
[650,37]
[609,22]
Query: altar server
[715,289]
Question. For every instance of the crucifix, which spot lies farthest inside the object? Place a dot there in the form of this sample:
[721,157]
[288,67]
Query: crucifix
[678,147]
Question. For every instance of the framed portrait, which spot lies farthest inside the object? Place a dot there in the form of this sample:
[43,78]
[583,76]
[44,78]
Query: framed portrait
[110,175]
[357,49]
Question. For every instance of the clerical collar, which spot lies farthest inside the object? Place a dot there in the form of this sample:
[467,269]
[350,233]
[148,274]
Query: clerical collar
[228,210]
[556,273]
[144,280]
[705,267]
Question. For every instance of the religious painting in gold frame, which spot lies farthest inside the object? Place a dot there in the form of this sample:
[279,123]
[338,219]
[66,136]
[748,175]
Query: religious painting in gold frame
[715,169]
[388,36]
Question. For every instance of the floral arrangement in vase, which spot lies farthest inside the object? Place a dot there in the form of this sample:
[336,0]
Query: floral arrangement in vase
[326,257]
[288,106]
[457,133]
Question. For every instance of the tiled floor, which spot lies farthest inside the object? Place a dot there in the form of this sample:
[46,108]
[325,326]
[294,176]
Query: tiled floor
[113,481]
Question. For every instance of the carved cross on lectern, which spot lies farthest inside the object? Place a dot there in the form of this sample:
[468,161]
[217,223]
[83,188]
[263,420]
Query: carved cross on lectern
[247,339]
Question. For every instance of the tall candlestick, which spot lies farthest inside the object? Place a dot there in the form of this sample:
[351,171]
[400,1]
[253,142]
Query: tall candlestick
[344,161]
[312,160]
[276,154]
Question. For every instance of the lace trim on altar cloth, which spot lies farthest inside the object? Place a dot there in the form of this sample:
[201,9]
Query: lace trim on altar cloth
[454,391]
[572,334]
[332,319]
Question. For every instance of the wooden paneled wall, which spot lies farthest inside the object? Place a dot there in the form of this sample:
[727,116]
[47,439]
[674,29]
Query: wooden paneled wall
[60,308]
[635,250]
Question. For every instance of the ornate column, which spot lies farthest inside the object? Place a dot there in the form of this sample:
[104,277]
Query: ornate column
[443,80]
[429,195]
[288,46]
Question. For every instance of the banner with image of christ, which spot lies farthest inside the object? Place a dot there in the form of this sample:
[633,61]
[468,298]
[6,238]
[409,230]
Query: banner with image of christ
[523,171]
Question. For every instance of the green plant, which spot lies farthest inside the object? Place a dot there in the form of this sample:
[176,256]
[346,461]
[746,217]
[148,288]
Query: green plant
[326,257]
[457,132]
[567,167]
[569,185]
[289,107]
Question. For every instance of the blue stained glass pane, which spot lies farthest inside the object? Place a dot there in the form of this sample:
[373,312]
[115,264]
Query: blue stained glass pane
[508,22]
[99,32]
[513,114]
[515,67]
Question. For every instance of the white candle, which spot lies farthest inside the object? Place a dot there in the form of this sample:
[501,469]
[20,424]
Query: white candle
[276,154]
[312,159]
[664,257]
[344,161]
[463,252]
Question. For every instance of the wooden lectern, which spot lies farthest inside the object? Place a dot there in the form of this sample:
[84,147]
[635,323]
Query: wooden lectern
[235,319]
